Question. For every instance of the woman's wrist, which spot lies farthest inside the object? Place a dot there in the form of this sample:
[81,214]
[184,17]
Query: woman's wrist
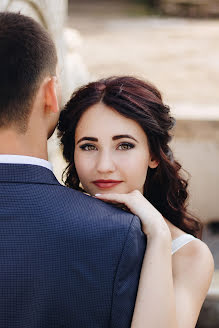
[158,228]
[161,232]
[162,243]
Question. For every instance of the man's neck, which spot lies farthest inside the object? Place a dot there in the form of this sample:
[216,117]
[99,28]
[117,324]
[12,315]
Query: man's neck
[14,143]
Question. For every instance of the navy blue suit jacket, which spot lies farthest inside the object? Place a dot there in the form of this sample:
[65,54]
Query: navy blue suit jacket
[66,259]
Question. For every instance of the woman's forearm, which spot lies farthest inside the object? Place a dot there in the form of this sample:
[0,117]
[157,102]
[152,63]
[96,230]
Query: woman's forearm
[155,302]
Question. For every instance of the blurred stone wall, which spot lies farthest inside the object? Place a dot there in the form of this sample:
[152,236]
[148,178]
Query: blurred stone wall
[196,146]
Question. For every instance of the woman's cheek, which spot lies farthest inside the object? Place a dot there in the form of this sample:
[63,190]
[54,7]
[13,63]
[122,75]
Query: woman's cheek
[81,165]
[137,171]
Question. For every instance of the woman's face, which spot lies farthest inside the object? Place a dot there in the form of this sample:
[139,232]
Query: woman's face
[111,152]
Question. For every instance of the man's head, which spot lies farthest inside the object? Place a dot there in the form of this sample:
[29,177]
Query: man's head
[28,59]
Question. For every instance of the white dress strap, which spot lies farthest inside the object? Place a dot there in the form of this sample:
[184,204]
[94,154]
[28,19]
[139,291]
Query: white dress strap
[181,241]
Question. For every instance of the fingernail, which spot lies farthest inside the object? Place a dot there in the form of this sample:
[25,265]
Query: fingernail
[97,195]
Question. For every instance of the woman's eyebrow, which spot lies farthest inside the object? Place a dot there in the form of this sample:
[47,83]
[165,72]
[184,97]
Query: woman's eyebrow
[123,136]
[87,138]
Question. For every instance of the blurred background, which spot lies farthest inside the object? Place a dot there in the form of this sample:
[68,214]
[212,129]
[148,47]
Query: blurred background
[173,44]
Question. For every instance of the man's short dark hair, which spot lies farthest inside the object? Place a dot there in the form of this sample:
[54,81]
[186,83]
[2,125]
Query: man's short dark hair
[27,56]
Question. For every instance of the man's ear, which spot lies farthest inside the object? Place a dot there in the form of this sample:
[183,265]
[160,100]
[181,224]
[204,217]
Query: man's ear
[51,99]
[153,163]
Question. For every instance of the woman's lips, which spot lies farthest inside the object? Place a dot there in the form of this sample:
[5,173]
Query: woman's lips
[106,184]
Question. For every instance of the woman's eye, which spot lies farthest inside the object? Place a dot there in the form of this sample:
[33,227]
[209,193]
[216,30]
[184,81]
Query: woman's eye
[126,146]
[88,147]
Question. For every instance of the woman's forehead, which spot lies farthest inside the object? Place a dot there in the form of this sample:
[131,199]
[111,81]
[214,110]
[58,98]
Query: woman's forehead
[100,118]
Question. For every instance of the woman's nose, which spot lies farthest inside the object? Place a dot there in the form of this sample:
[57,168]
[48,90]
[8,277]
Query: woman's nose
[105,163]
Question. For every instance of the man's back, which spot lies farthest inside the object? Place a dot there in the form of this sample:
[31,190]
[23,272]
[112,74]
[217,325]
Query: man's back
[66,259]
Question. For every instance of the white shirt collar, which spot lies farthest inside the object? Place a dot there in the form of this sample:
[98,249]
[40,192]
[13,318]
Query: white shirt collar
[20,159]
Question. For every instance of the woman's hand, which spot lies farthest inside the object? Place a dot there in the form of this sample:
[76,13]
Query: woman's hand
[153,222]
[176,286]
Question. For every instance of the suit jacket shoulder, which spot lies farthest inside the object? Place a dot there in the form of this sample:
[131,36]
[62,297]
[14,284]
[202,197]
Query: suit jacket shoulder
[67,259]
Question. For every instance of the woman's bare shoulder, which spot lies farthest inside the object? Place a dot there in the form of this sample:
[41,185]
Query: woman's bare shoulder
[191,259]
[195,261]
[196,250]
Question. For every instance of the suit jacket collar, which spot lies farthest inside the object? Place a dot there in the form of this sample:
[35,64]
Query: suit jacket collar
[26,173]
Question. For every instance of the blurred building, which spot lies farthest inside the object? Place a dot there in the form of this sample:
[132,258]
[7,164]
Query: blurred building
[185,8]
[191,8]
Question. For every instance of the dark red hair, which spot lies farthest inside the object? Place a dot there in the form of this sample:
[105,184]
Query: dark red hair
[140,101]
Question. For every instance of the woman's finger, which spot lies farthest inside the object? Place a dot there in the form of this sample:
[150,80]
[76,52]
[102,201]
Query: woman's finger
[118,198]
[131,200]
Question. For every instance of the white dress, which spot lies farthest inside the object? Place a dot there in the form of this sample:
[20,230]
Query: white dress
[181,241]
